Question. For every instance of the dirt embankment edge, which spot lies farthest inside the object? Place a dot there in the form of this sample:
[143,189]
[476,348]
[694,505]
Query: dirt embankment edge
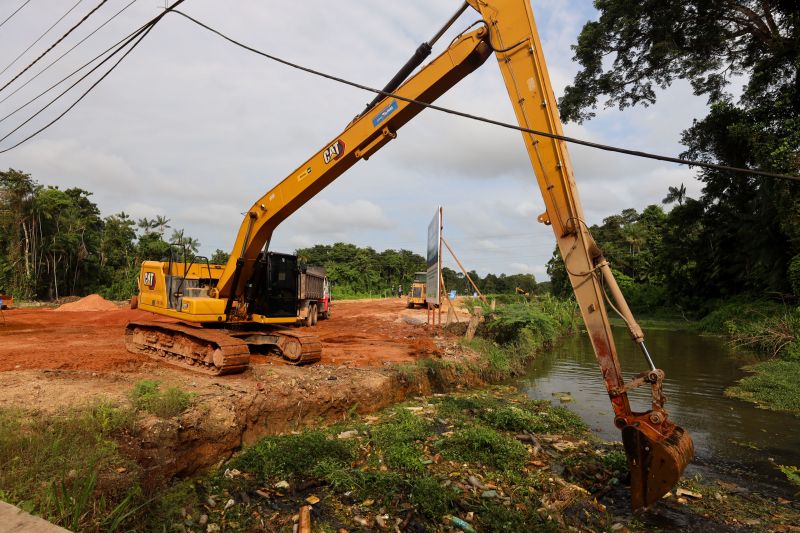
[240,412]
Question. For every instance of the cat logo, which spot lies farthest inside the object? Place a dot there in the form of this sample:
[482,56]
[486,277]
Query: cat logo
[149,279]
[333,152]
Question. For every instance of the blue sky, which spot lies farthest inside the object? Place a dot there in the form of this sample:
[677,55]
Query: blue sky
[193,129]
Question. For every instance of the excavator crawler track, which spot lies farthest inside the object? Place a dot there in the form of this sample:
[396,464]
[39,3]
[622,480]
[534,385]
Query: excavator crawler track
[215,351]
[208,351]
[297,347]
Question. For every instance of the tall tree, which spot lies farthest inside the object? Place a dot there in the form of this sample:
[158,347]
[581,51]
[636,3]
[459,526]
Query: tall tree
[636,46]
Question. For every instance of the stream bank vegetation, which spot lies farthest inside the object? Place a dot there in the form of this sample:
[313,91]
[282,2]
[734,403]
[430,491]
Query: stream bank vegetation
[79,468]
[486,460]
[491,460]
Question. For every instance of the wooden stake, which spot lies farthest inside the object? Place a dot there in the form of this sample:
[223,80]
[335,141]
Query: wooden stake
[304,524]
[449,303]
[483,298]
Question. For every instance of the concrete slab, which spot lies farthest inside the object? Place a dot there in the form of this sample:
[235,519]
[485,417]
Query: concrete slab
[15,520]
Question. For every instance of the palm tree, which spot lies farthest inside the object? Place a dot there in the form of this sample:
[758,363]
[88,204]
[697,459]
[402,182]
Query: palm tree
[145,224]
[177,237]
[675,194]
[161,223]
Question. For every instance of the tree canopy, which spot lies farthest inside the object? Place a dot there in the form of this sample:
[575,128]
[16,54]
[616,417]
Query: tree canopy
[55,243]
[742,234]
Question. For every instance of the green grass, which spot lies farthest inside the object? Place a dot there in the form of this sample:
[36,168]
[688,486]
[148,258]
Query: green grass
[536,418]
[148,396]
[53,465]
[398,440]
[293,456]
[431,499]
[514,332]
[486,446]
[773,386]
[792,474]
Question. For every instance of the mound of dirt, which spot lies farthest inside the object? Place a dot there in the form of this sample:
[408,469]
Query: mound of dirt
[93,302]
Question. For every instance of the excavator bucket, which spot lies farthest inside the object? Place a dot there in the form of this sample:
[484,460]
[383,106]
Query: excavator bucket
[655,465]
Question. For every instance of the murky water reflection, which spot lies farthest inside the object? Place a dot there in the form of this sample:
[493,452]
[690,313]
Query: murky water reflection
[733,439]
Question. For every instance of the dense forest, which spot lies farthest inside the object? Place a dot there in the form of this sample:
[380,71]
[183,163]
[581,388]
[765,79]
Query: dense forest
[678,259]
[55,243]
[363,271]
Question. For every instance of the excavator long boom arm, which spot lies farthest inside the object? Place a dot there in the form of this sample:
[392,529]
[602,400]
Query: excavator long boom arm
[657,449]
[364,136]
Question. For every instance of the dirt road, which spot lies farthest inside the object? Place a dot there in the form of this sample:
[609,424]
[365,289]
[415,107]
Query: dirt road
[359,333]
[51,360]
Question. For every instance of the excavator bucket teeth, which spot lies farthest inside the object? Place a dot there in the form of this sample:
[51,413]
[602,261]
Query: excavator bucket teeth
[655,466]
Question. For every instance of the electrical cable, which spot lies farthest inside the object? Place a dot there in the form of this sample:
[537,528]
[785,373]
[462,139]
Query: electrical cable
[41,36]
[14,13]
[73,28]
[573,140]
[137,36]
[15,91]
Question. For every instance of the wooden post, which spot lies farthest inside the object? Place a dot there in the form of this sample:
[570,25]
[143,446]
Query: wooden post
[483,298]
[304,524]
[441,279]
[472,327]
[451,308]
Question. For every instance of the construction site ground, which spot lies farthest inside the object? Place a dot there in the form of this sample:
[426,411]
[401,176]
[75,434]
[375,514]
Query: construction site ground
[55,358]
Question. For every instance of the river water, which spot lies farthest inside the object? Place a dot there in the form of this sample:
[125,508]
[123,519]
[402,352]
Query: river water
[733,439]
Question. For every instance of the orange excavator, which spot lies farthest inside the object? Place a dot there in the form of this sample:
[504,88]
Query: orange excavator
[246,304]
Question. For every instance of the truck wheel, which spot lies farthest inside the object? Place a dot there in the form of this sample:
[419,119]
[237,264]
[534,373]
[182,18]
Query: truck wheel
[313,314]
[306,322]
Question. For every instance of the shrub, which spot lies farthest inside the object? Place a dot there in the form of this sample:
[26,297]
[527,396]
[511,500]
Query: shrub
[484,445]
[300,455]
[775,335]
[147,396]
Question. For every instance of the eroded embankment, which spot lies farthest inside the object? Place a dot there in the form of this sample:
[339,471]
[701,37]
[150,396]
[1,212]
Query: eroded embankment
[280,400]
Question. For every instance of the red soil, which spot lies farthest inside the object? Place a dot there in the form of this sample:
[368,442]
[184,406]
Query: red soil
[93,302]
[359,333]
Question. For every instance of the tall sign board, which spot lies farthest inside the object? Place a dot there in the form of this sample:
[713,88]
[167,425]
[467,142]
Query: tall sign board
[434,259]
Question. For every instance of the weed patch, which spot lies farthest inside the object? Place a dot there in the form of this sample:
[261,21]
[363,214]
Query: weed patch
[54,464]
[148,396]
[774,386]
[293,456]
[486,446]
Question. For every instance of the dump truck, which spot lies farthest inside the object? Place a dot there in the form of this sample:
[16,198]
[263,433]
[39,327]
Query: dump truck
[314,296]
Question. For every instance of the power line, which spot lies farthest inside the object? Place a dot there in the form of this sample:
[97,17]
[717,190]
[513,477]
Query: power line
[41,36]
[15,91]
[73,28]
[137,36]
[14,13]
[486,120]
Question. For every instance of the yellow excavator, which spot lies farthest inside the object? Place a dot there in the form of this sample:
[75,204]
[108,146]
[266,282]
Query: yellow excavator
[228,310]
